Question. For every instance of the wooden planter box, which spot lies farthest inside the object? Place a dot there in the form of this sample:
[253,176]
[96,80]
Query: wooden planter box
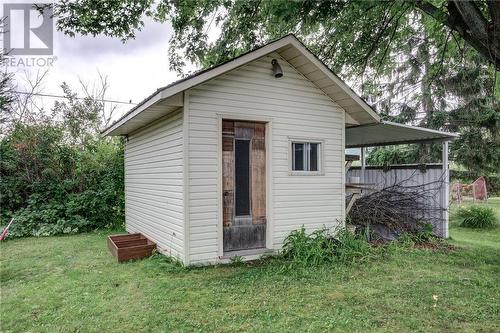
[131,246]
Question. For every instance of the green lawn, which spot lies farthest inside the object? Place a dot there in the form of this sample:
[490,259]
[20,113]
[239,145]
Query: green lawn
[68,284]
[478,238]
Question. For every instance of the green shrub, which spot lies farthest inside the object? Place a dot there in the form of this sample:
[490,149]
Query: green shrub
[51,185]
[424,235]
[477,217]
[323,247]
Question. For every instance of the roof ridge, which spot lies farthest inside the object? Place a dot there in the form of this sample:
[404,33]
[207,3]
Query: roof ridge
[196,73]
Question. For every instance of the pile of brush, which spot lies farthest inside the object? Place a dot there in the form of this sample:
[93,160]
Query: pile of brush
[400,208]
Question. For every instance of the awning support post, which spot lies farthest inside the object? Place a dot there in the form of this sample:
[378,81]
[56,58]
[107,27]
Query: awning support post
[363,164]
[445,191]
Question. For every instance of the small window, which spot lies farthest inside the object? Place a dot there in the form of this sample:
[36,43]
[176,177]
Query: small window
[306,156]
[242,177]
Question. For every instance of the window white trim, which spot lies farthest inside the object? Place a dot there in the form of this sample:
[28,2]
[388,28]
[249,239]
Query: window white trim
[291,153]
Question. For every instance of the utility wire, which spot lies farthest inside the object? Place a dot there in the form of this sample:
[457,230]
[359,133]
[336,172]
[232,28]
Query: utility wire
[61,96]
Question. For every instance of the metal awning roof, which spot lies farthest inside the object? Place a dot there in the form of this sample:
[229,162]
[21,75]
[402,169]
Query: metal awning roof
[388,133]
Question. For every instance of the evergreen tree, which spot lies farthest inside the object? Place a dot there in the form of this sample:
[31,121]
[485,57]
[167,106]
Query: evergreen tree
[428,63]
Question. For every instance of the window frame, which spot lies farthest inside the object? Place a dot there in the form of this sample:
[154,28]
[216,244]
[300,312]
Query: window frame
[306,142]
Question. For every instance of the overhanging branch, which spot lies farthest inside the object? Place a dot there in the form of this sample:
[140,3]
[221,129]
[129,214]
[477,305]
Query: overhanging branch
[465,18]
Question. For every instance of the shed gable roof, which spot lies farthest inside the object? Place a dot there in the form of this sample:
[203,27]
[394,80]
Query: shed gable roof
[170,97]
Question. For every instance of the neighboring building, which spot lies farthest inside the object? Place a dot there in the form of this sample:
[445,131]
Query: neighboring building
[232,159]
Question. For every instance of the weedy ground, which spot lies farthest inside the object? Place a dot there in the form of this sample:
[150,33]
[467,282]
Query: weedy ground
[72,283]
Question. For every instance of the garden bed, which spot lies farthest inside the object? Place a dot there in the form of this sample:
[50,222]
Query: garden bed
[130,246]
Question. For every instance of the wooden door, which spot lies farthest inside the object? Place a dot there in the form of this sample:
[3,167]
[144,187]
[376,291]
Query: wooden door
[243,185]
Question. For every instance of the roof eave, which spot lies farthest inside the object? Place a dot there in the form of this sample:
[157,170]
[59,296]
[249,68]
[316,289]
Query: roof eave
[203,76]
[327,71]
[200,78]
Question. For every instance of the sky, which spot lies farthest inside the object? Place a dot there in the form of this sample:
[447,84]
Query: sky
[134,69]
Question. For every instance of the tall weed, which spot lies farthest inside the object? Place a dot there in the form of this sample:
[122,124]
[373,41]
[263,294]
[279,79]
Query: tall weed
[324,246]
[477,217]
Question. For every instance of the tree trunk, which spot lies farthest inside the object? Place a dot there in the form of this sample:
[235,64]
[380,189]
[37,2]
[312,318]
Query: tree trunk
[465,18]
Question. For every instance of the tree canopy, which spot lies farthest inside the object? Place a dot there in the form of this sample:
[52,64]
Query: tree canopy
[246,23]
[58,174]
[427,62]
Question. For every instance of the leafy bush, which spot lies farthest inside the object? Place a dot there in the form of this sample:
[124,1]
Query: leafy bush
[393,155]
[51,184]
[323,247]
[477,217]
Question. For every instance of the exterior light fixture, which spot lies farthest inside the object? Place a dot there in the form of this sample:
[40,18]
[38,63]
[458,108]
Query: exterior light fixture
[277,71]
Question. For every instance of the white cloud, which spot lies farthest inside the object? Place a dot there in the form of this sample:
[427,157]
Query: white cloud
[135,69]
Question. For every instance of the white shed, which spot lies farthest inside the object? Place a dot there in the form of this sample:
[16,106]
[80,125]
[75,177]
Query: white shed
[230,160]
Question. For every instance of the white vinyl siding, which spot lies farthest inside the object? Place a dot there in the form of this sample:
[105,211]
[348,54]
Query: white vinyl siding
[296,109]
[154,183]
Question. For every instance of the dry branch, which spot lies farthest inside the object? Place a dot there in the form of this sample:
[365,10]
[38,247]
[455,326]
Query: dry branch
[405,206]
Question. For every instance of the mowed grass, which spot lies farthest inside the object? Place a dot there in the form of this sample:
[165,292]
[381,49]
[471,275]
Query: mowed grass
[479,238]
[70,284]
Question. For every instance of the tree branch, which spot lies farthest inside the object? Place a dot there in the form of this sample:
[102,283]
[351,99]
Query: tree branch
[465,18]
